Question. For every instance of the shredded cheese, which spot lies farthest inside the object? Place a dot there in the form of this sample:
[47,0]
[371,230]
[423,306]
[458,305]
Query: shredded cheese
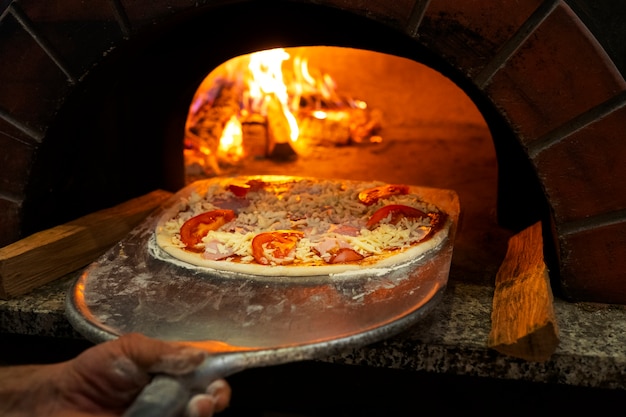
[321,209]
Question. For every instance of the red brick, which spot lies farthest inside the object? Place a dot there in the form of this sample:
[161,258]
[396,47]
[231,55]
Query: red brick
[558,73]
[585,173]
[16,161]
[79,32]
[593,264]
[33,87]
[396,12]
[470,33]
[9,222]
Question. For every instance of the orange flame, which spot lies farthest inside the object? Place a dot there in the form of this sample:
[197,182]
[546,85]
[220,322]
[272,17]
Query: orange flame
[266,79]
[231,142]
[263,86]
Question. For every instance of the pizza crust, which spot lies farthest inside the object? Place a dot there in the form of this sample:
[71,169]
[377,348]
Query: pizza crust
[165,242]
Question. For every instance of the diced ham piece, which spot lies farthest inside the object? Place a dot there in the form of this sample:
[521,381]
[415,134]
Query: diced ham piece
[325,246]
[329,247]
[215,250]
[344,229]
[346,255]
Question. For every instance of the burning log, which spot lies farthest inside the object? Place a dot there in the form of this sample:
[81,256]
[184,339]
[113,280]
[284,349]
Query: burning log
[523,320]
[337,122]
[365,125]
[255,140]
[247,112]
[324,128]
[206,126]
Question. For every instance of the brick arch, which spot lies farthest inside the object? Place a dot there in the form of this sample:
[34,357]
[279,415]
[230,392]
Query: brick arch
[534,61]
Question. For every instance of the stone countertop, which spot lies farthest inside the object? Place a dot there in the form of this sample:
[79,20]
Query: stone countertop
[452,339]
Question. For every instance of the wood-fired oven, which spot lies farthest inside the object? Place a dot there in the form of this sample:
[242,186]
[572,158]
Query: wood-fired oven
[94,99]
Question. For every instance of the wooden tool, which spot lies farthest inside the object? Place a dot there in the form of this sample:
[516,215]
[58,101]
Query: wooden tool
[50,254]
[523,319]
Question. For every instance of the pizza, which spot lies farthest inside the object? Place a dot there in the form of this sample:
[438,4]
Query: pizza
[299,226]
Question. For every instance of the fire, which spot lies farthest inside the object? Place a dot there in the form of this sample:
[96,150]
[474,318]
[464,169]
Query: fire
[296,107]
[266,82]
[231,141]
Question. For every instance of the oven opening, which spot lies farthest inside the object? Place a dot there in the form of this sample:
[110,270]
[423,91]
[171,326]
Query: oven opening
[334,112]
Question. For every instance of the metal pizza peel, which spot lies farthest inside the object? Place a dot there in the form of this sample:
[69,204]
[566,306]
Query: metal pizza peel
[247,321]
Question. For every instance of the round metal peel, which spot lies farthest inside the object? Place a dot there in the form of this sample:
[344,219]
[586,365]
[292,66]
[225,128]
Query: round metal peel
[247,321]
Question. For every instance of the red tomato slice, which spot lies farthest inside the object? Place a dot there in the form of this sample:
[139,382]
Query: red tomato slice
[196,228]
[372,195]
[241,190]
[346,255]
[396,211]
[275,246]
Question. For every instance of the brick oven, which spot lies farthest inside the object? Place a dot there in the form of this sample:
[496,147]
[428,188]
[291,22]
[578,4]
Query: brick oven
[94,99]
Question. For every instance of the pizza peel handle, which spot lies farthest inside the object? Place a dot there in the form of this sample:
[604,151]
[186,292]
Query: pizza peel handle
[167,396]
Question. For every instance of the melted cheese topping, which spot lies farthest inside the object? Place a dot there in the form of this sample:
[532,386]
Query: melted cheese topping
[328,212]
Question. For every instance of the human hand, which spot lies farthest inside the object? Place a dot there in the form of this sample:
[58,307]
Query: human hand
[105,379]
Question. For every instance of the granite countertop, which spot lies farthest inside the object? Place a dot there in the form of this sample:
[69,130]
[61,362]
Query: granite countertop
[452,339]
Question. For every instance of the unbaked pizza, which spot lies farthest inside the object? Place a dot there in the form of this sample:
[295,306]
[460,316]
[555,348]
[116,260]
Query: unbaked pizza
[298,226]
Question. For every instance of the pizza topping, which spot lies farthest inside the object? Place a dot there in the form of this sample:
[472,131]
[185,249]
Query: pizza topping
[242,189]
[393,213]
[277,247]
[235,204]
[344,229]
[289,221]
[215,250]
[372,195]
[195,229]
[346,255]
[327,248]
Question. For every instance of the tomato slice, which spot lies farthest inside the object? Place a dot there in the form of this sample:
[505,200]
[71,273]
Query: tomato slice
[396,211]
[345,255]
[275,246]
[242,189]
[372,195]
[196,228]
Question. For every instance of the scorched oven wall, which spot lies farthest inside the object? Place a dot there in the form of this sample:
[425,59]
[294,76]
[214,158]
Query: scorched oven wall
[93,104]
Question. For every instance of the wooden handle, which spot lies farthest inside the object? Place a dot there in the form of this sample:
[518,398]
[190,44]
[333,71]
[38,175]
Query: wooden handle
[523,320]
[50,254]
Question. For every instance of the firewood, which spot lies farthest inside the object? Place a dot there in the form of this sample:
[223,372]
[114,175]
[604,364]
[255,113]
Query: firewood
[324,132]
[523,321]
[254,129]
[278,131]
[53,253]
[208,122]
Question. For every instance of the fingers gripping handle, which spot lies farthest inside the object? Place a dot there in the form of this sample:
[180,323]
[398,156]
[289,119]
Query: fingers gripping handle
[168,396]
[165,396]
